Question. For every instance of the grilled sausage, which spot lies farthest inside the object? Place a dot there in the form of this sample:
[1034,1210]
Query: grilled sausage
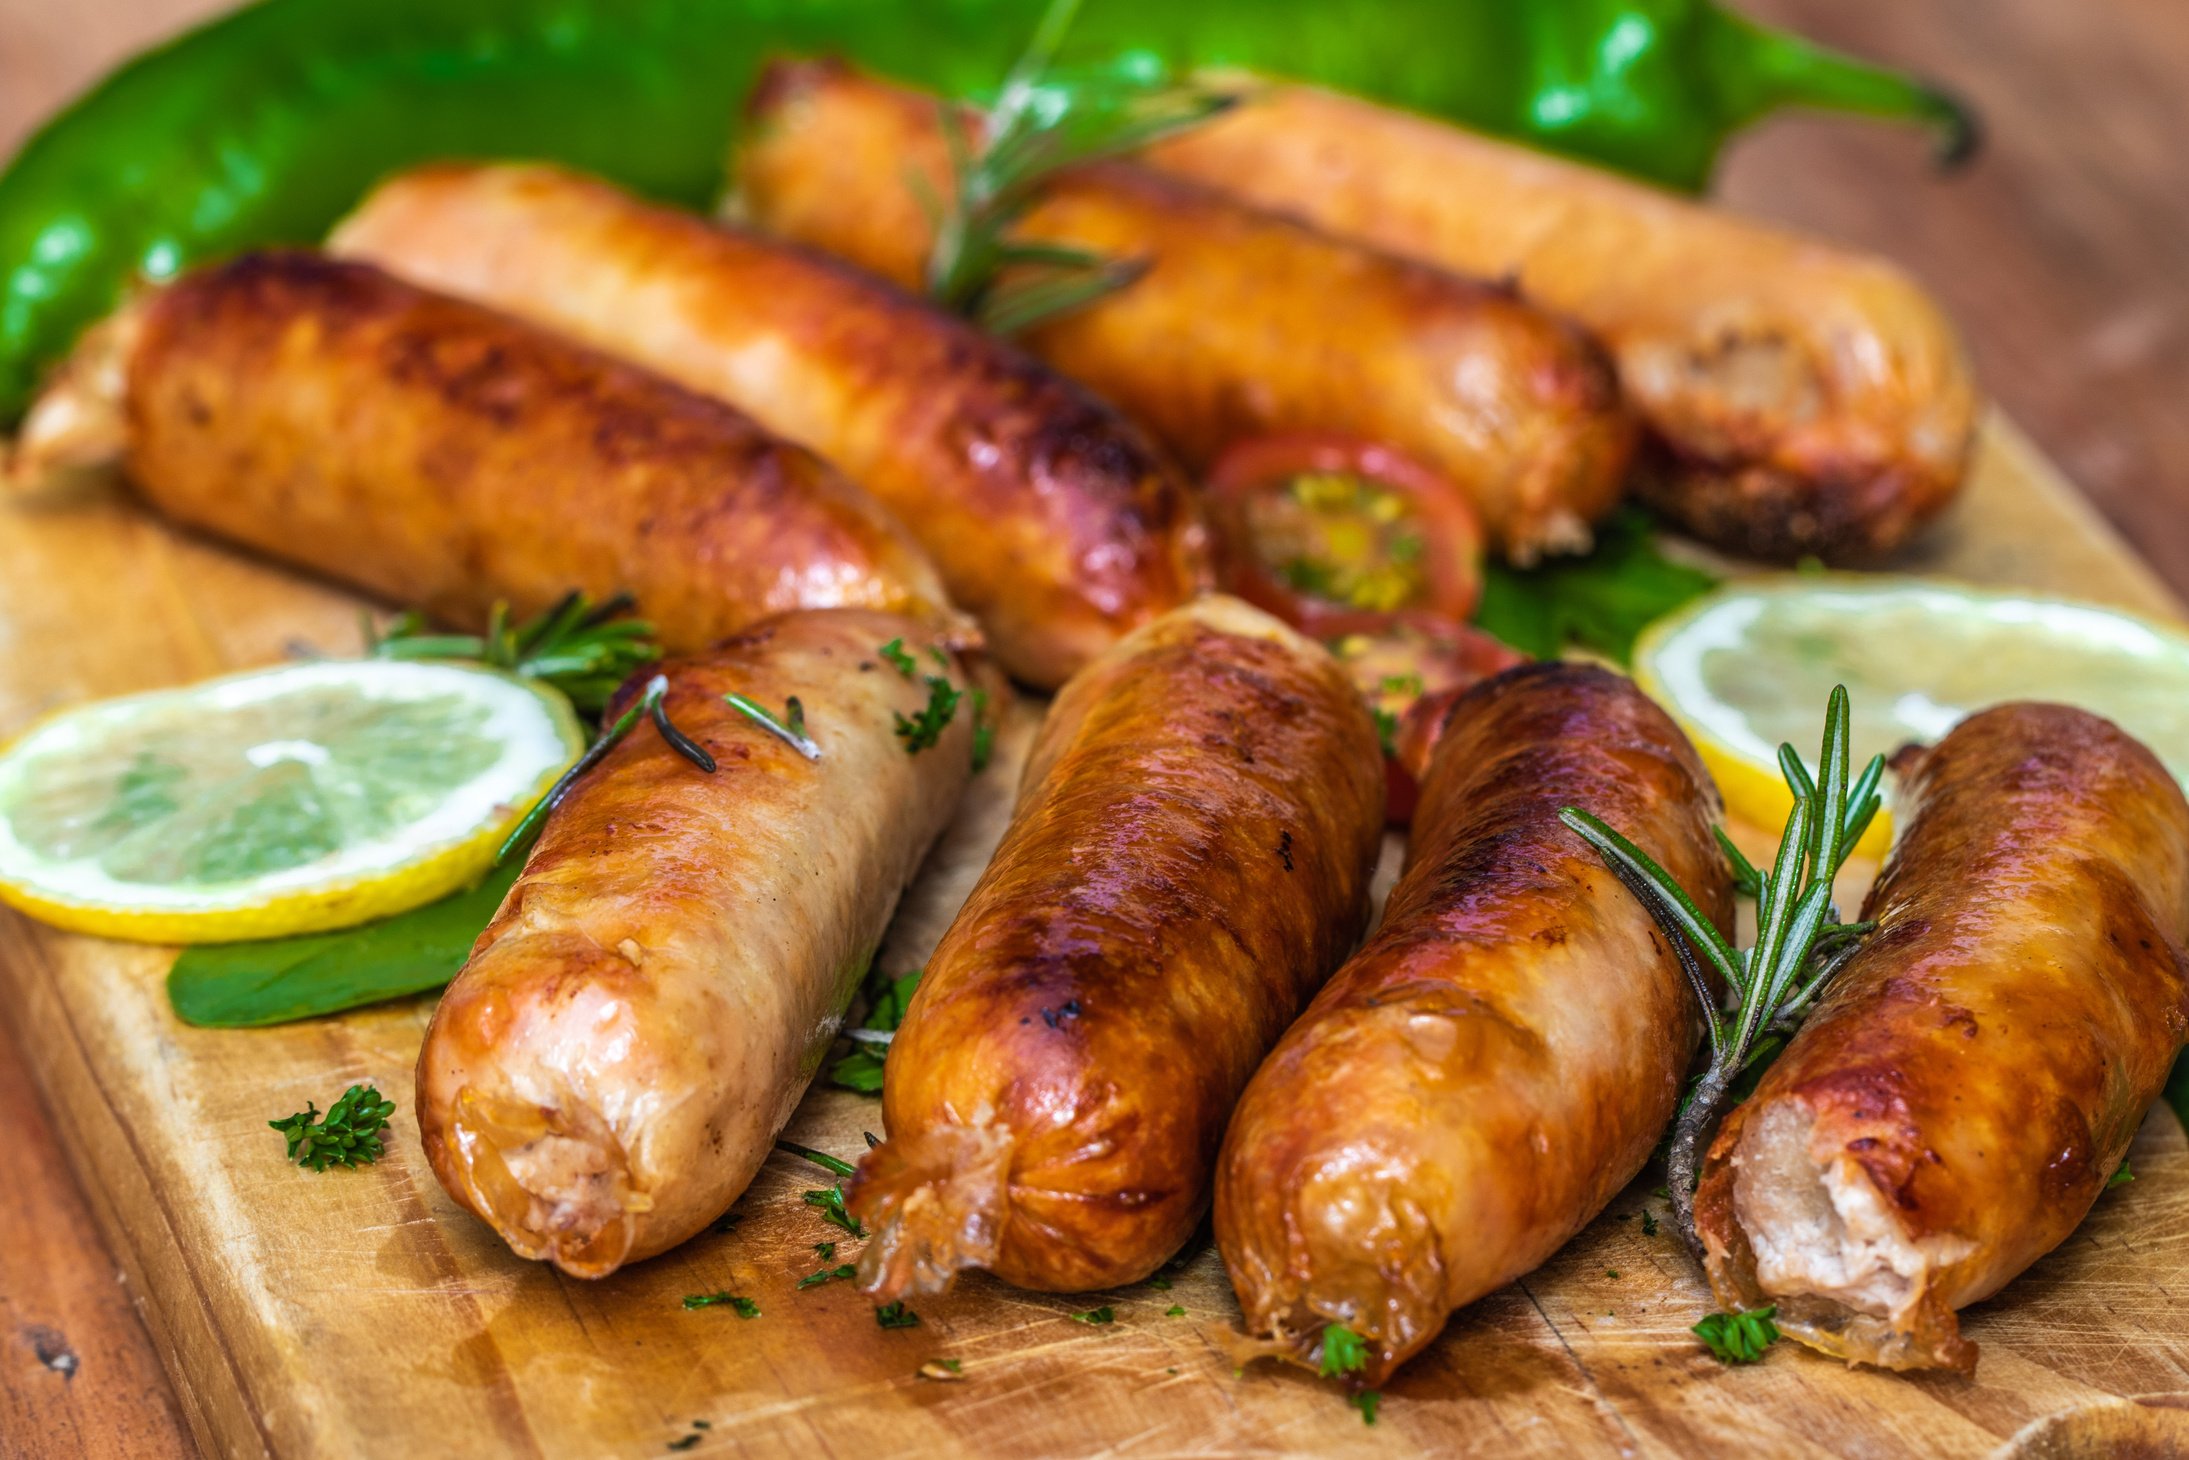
[1802,398]
[1051,518]
[1500,1058]
[1973,1077]
[1243,324]
[1190,856]
[443,455]
[643,1014]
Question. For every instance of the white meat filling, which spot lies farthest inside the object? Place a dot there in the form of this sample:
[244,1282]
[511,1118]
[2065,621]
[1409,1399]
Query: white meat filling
[1819,1228]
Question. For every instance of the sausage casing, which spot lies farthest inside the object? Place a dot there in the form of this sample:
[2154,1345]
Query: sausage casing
[1973,1076]
[1801,398]
[1502,1055]
[1243,324]
[1052,519]
[1189,858]
[446,456]
[643,1014]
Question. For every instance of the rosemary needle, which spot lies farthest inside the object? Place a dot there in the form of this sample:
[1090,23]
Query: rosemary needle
[649,704]
[1800,941]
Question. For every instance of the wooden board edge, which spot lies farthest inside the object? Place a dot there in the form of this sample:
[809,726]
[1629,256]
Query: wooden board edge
[102,1157]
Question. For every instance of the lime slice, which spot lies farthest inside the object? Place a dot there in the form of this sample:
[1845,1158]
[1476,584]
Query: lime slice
[288,800]
[1751,665]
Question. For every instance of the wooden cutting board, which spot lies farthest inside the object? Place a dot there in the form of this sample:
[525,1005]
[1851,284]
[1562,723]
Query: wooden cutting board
[361,1313]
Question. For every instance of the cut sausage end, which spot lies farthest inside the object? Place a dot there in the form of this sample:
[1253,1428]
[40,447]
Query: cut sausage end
[555,1183]
[77,421]
[937,1202]
[1829,1250]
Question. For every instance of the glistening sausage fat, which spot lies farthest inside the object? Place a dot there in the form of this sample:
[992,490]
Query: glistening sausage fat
[1243,324]
[1802,398]
[446,456]
[1972,1078]
[1500,1058]
[1052,519]
[1189,858]
[643,1014]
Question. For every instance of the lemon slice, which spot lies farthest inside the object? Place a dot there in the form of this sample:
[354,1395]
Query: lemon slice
[1751,665]
[288,800]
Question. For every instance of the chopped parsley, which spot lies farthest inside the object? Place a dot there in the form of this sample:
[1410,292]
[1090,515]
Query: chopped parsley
[896,1315]
[743,1307]
[1649,1224]
[1103,1314]
[347,1135]
[924,730]
[829,1274]
[1343,1352]
[894,651]
[1739,1338]
[887,999]
[2121,1177]
[1366,1402]
[830,1201]
[1174,1311]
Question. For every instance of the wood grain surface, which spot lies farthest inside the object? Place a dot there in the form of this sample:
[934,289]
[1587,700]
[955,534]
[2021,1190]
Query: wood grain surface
[2062,254]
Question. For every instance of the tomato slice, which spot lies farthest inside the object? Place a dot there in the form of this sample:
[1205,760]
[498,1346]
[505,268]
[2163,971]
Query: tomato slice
[1410,671]
[1325,531]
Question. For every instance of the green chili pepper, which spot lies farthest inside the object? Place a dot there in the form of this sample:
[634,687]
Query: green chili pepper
[265,126]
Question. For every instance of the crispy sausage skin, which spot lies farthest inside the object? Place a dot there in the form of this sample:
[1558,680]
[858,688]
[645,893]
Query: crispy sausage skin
[1974,1075]
[1189,858]
[1801,398]
[643,1014]
[1052,519]
[1500,1058]
[445,456]
[1244,324]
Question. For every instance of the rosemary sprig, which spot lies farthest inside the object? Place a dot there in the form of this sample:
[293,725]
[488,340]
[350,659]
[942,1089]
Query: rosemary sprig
[649,705]
[791,729]
[1045,120]
[582,648]
[1800,941]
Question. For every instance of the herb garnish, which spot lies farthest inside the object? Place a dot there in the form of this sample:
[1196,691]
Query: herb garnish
[896,1315]
[1174,1311]
[1103,1314]
[584,649]
[791,729]
[1343,1352]
[1366,1402]
[1043,121]
[649,704]
[828,1274]
[2120,1177]
[920,732]
[348,1135]
[1601,600]
[887,999]
[1800,941]
[829,1199]
[1739,1338]
[743,1307]
[896,653]
[1649,1223]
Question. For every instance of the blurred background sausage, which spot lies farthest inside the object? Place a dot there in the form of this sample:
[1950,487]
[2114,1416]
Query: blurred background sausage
[1052,519]
[1800,398]
[1500,1059]
[1243,324]
[445,456]
[1972,1078]
[1189,859]
[649,1004]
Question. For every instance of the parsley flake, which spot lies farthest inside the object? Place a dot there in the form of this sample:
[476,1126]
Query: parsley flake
[1739,1338]
[1103,1314]
[1174,1311]
[347,1135]
[2121,1177]
[896,1315]
[1366,1402]
[743,1307]
[894,651]
[924,730]
[1649,1224]
[828,1274]
[1343,1352]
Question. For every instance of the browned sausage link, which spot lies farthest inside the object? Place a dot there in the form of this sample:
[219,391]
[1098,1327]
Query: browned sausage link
[1501,1057]
[1244,324]
[443,455]
[1051,517]
[1189,859]
[610,1068]
[1974,1076]
[1801,398]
